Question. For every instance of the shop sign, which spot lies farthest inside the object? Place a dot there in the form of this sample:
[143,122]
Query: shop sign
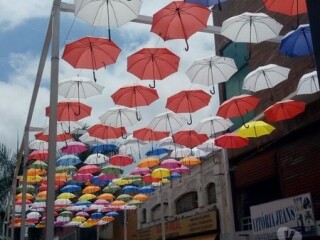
[294,213]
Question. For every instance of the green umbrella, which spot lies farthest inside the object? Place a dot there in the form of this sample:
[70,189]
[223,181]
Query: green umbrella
[124,197]
[111,189]
[39,165]
[112,170]
[66,214]
[66,169]
[30,189]
[134,203]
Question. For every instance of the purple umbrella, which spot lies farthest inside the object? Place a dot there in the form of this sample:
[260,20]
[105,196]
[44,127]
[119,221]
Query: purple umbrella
[74,148]
[82,177]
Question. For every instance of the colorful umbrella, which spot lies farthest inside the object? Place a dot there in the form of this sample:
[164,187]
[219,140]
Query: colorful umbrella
[123,197]
[67,160]
[111,189]
[120,160]
[29,188]
[91,189]
[213,125]
[42,195]
[180,20]
[38,165]
[189,138]
[70,188]
[255,129]
[109,147]
[106,196]
[66,195]
[130,189]
[82,177]
[188,101]
[112,170]
[231,140]
[153,64]
[62,137]
[70,169]
[91,53]
[146,189]
[28,196]
[237,106]
[118,203]
[160,173]
[284,110]
[96,159]
[190,161]
[170,163]
[157,151]
[140,171]
[87,197]
[106,132]
[134,96]
[147,134]
[181,170]
[148,162]
[38,145]
[39,155]
[74,148]
[89,169]
[149,179]
[212,70]
[308,83]
[34,172]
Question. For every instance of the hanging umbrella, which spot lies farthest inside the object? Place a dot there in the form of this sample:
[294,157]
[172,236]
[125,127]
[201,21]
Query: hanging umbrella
[38,165]
[79,177]
[100,181]
[181,152]
[87,197]
[170,163]
[66,195]
[106,132]
[109,147]
[106,196]
[41,155]
[207,3]
[149,179]
[212,70]
[140,171]
[70,169]
[146,189]
[87,139]
[188,101]
[209,145]
[181,170]
[63,137]
[70,188]
[38,145]
[118,203]
[190,161]
[119,117]
[112,214]
[96,159]
[111,13]
[288,7]
[157,151]
[90,168]
[147,134]
[29,189]
[308,83]
[169,143]
[167,121]
[112,170]
[265,77]
[153,64]
[130,189]
[148,162]
[284,110]
[91,189]
[28,196]
[213,125]
[231,140]
[135,96]
[189,138]
[74,148]
[41,195]
[237,106]
[250,28]
[67,160]
[91,53]
[120,160]
[255,129]
[34,172]
[123,197]
[160,173]
[179,20]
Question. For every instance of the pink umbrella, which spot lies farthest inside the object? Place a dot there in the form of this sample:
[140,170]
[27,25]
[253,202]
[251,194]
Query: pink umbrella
[181,169]
[141,171]
[82,177]
[104,177]
[74,148]
[101,202]
[170,163]
[89,169]
[82,214]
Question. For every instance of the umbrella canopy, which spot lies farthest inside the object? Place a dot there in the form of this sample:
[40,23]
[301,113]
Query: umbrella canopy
[106,196]
[207,3]
[70,169]
[130,189]
[153,64]
[106,132]
[157,151]
[190,161]
[255,129]
[96,159]
[167,121]
[29,188]
[209,145]
[188,101]
[74,148]
[66,195]
[147,134]
[120,160]
[70,188]
[38,145]
[118,203]
[231,140]
[308,83]
[112,170]
[90,168]
[71,111]
[250,28]
[135,96]
[91,53]
[212,70]
[179,20]
[79,177]
[265,77]
[29,196]
[34,172]
[67,160]
[111,13]
[160,173]
[62,137]
[170,163]
[297,42]
[189,138]
[39,155]
[87,197]
[146,189]
[148,162]
[213,125]
[141,197]
[124,197]
[284,110]
[181,152]
[91,189]
[181,170]
[140,171]
[109,147]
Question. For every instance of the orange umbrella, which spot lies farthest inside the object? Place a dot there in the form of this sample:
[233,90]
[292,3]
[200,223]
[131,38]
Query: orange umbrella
[141,197]
[34,172]
[106,196]
[62,176]
[190,161]
[42,195]
[148,162]
[107,219]
[91,189]
[28,196]
[117,203]
[284,110]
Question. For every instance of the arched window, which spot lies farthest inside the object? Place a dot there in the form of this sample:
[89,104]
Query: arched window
[187,202]
[156,211]
[211,193]
[143,216]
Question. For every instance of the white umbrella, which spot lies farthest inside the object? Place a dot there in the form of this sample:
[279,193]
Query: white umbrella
[109,13]
[38,145]
[65,127]
[96,159]
[197,152]
[132,146]
[308,83]
[250,28]
[265,77]
[33,215]
[209,145]
[181,152]
[120,117]
[167,121]
[86,138]
[213,125]
[212,70]
[168,143]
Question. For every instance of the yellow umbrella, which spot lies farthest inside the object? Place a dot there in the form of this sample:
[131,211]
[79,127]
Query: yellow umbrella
[117,203]
[87,197]
[107,219]
[28,196]
[87,225]
[255,129]
[106,196]
[34,172]
[160,173]
[79,219]
[91,189]
[190,161]
[42,195]
[66,195]
[120,181]
[141,197]
[148,162]
[92,221]
[32,179]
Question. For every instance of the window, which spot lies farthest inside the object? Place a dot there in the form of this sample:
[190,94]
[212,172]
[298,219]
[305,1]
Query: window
[156,211]
[187,202]
[144,216]
[211,193]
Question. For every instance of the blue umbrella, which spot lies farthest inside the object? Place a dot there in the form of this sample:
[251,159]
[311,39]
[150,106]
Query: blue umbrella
[72,182]
[99,181]
[103,148]
[130,189]
[157,151]
[112,214]
[71,188]
[146,189]
[67,160]
[97,215]
[174,176]
[297,42]
[207,3]
[82,203]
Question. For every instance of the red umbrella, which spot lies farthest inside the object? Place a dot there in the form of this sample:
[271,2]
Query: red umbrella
[149,179]
[120,160]
[106,132]
[237,106]
[60,137]
[188,101]
[71,111]
[39,155]
[180,20]
[91,53]
[189,138]
[147,134]
[135,96]
[231,140]
[284,110]
[153,63]
[89,169]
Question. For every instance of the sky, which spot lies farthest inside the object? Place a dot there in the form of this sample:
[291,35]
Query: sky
[22,31]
